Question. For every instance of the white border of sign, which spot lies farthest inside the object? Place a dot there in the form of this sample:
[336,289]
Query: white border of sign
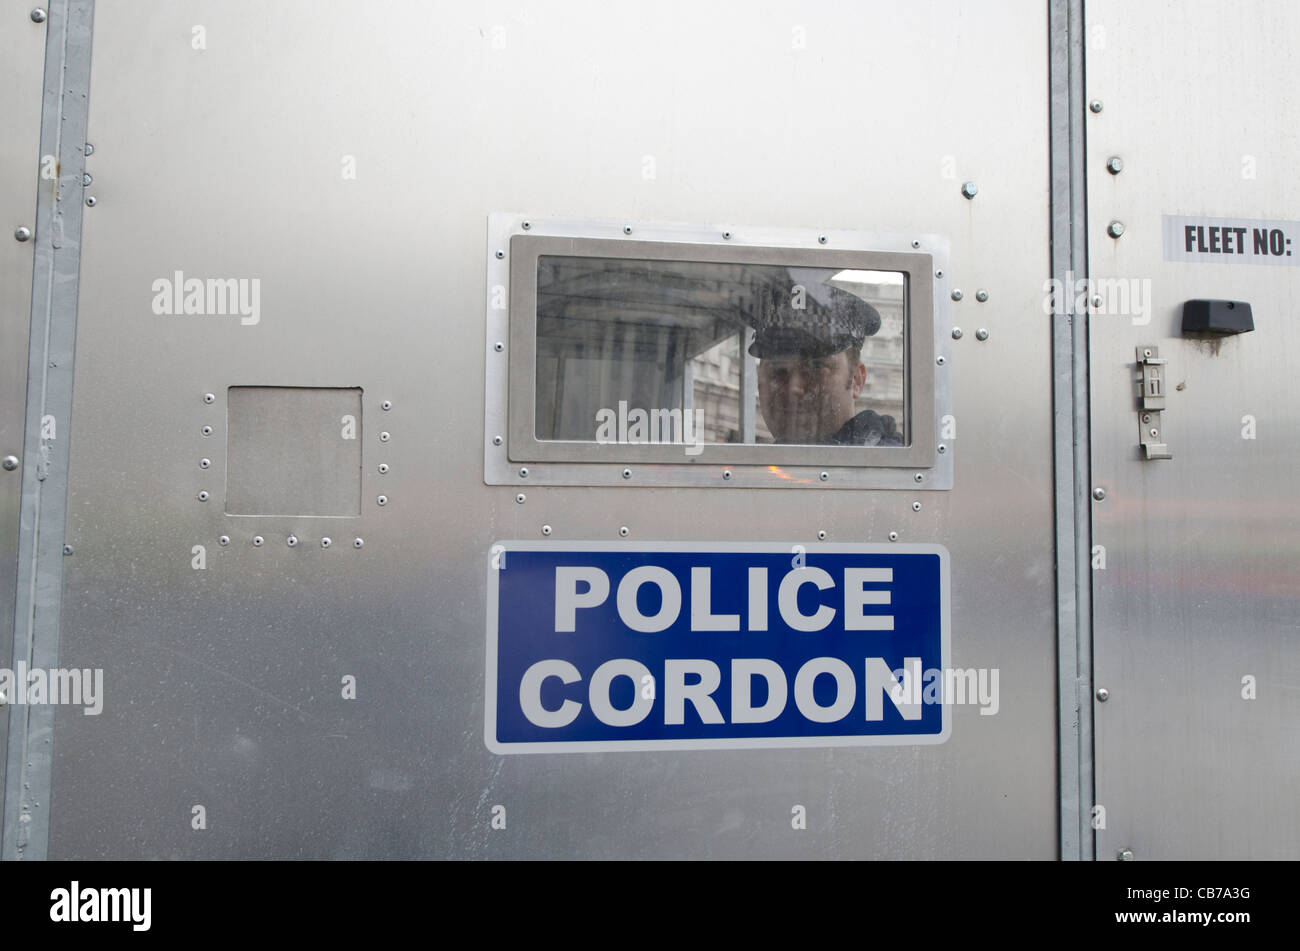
[738,743]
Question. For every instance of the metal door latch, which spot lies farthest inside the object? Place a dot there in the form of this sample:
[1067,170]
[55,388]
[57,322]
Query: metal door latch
[1151,399]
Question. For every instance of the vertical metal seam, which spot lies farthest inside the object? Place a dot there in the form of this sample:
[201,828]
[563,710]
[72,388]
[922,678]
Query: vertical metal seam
[1070,429]
[43,506]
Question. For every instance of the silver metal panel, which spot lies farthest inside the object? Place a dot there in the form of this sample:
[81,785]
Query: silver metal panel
[1202,551]
[224,684]
[22,53]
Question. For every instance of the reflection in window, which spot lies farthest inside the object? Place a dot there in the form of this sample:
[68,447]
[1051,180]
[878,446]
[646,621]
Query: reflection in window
[750,353]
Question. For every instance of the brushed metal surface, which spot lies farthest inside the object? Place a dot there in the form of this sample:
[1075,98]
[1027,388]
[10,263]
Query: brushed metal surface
[1200,588]
[223,685]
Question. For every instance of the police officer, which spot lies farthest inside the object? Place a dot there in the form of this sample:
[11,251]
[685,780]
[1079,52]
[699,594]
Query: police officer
[810,368]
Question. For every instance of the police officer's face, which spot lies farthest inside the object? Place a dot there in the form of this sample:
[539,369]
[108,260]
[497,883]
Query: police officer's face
[807,400]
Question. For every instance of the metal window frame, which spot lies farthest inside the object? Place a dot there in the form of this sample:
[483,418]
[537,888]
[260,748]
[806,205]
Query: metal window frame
[513,454]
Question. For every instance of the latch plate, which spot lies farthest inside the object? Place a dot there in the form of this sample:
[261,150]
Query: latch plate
[1151,403]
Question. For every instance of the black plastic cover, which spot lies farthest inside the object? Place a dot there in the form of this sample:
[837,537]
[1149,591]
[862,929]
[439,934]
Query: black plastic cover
[1217,317]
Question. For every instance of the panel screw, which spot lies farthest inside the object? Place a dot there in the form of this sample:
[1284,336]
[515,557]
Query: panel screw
[824,476]
[627,229]
[726,473]
[90,149]
[207,430]
[1146,417]
[326,542]
[257,541]
[223,541]
[624,531]
[383,467]
[527,225]
[386,404]
[916,506]
[22,234]
[893,536]
[982,334]
[1114,165]
[521,498]
[497,440]
[86,179]
[726,235]
[940,360]
[1095,105]
[1125,855]
[523,472]
[627,473]
[91,201]
[204,463]
[384,437]
[381,500]
[209,398]
[981,295]
[67,549]
[969,190]
[821,239]
[956,333]
[1115,229]
[1103,694]
[10,463]
[821,534]
[1099,493]
[498,346]
[918,478]
[957,294]
[357,543]
[500,254]
[38,16]
[546,529]
[292,541]
[203,496]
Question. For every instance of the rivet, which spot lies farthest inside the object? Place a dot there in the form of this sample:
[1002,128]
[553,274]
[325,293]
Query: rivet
[38,16]
[500,254]
[292,541]
[207,430]
[1125,855]
[1146,417]
[981,295]
[726,473]
[627,473]
[1114,165]
[938,272]
[523,472]
[1099,493]
[982,334]
[956,333]
[204,463]
[956,294]
[209,398]
[22,234]
[940,360]
[1146,352]
[1115,229]
[498,346]
[223,541]
[86,179]
[726,235]
[383,467]
[381,500]
[627,229]
[357,543]
[384,437]
[1103,694]
[90,149]
[969,190]
[67,549]
[521,498]
[91,201]
[824,476]
[527,225]
[919,477]
[386,405]
[497,440]
[257,541]
[942,448]
[624,531]
[916,506]
[546,529]
[1095,105]
[10,463]
[1153,431]
[1097,301]
[821,239]
[893,536]
[822,534]
[325,542]
[203,496]
[916,243]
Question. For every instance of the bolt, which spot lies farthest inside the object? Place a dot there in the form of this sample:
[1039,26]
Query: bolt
[1125,855]
[381,500]
[893,536]
[326,542]
[38,16]
[1103,694]
[1096,105]
[982,334]
[1099,493]
[521,498]
[624,531]
[384,437]
[1146,417]
[916,506]
[22,234]
[292,541]
[1115,229]
[1114,165]
[956,333]
[10,463]
[969,190]
[203,496]
[357,543]
[825,476]
[386,405]
[627,473]
[67,549]
[956,293]
[500,254]
[207,430]
[383,467]
[209,398]
[223,541]
[821,239]
[546,529]
[91,201]
[981,295]
[257,541]
[204,463]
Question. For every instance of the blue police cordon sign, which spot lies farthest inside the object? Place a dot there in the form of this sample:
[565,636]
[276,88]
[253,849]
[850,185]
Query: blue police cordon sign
[598,646]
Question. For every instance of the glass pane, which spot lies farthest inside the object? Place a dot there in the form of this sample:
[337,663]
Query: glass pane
[638,351]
